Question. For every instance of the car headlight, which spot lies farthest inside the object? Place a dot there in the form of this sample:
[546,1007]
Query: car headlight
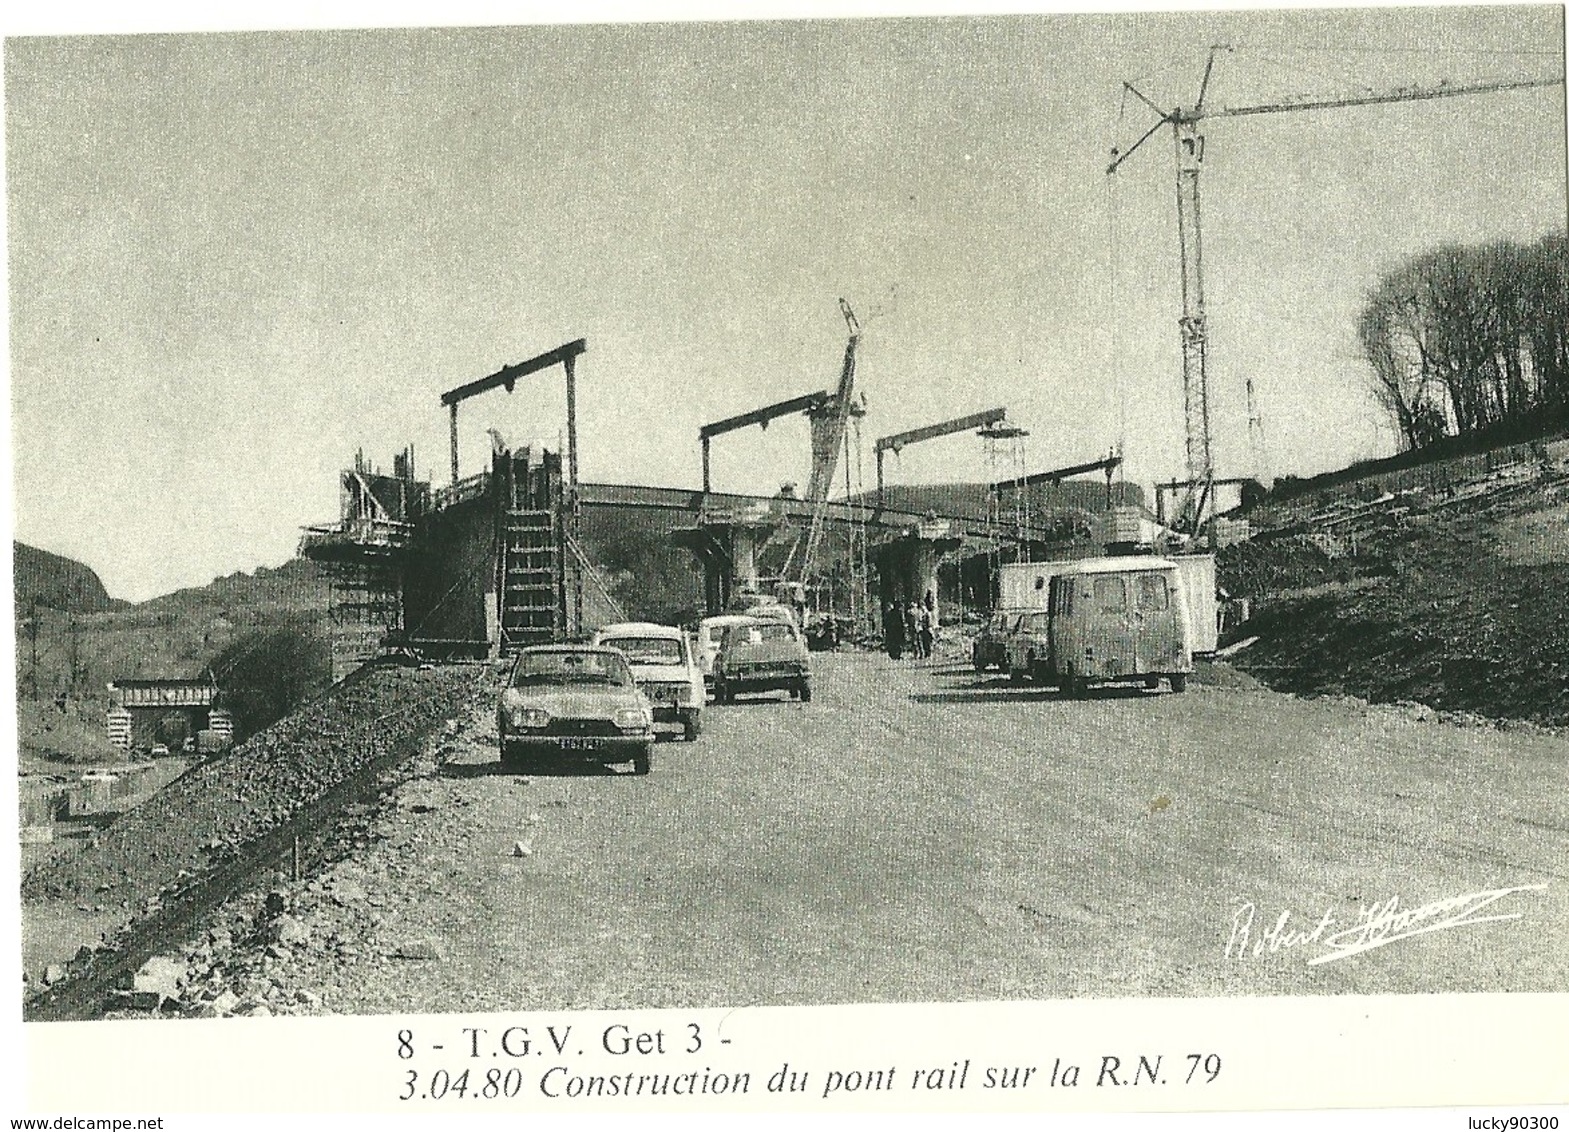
[529,717]
[633,719]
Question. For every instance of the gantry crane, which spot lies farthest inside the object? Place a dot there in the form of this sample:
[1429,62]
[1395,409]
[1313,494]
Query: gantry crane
[809,403]
[1189,143]
[829,414]
[901,440]
[1107,464]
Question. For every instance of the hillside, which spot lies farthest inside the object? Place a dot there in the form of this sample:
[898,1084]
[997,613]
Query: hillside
[57,582]
[974,499]
[264,632]
[1439,587]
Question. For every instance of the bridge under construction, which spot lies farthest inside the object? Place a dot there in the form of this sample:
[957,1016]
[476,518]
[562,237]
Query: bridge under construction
[489,563]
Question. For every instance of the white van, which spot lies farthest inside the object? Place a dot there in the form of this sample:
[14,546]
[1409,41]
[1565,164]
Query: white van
[1120,620]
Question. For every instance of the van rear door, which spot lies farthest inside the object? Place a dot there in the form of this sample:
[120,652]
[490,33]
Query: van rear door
[1114,635]
[1156,620]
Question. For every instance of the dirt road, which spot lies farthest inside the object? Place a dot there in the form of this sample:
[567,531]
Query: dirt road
[918,833]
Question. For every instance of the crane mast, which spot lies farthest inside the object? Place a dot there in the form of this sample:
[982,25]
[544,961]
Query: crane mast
[825,458]
[1189,146]
[1195,332]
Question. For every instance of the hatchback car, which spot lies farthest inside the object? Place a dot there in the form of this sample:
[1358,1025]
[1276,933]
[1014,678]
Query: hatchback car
[762,656]
[574,701]
[665,671]
[991,643]
[1029,648]
[710,631]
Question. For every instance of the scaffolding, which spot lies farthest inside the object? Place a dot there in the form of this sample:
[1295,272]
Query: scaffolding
[860,609]
[1005,448]
[533,583]
[363,557]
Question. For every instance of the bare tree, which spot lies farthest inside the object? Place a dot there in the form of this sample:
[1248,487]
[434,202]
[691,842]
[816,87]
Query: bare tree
[1461,339]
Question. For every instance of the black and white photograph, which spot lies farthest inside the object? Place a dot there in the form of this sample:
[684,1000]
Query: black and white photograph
[717,514]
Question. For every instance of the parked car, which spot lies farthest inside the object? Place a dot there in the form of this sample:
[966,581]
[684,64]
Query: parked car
[762,655]
[771,610]
[665,671]
[991,644]
[824,631]
[1027,651]
[576,701]
[710,631]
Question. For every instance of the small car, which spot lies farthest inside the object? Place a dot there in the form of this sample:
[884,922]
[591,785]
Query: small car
[762,655]
[574,701]
[710,631]
[991,644]
[1029,648]
[665,671]
[824,631]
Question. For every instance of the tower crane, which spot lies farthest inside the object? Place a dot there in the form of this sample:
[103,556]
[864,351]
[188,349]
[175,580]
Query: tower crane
[1189,148]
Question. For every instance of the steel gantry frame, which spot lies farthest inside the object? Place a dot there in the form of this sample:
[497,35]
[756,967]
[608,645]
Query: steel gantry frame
[506,378]
[806,403]
[901,440]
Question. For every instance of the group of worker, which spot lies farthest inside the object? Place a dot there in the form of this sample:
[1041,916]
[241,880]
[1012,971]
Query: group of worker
[912,627]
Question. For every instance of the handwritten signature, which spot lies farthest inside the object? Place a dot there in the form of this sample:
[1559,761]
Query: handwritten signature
[1376,925]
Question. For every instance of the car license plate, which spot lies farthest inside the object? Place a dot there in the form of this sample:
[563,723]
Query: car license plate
[580,743]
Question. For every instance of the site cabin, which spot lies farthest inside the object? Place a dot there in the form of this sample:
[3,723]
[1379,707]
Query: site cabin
[1025,585]
[1119,620]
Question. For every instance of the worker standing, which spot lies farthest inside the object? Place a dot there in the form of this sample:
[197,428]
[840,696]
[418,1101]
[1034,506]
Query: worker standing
[912,629]
[893,630]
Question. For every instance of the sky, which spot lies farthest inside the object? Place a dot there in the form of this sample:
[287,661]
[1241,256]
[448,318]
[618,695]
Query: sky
[235,259]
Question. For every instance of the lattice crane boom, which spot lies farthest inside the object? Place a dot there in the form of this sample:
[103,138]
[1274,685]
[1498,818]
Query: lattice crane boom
[826,446]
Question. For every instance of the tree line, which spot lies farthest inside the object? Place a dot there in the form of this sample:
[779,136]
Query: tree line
[1465,339]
